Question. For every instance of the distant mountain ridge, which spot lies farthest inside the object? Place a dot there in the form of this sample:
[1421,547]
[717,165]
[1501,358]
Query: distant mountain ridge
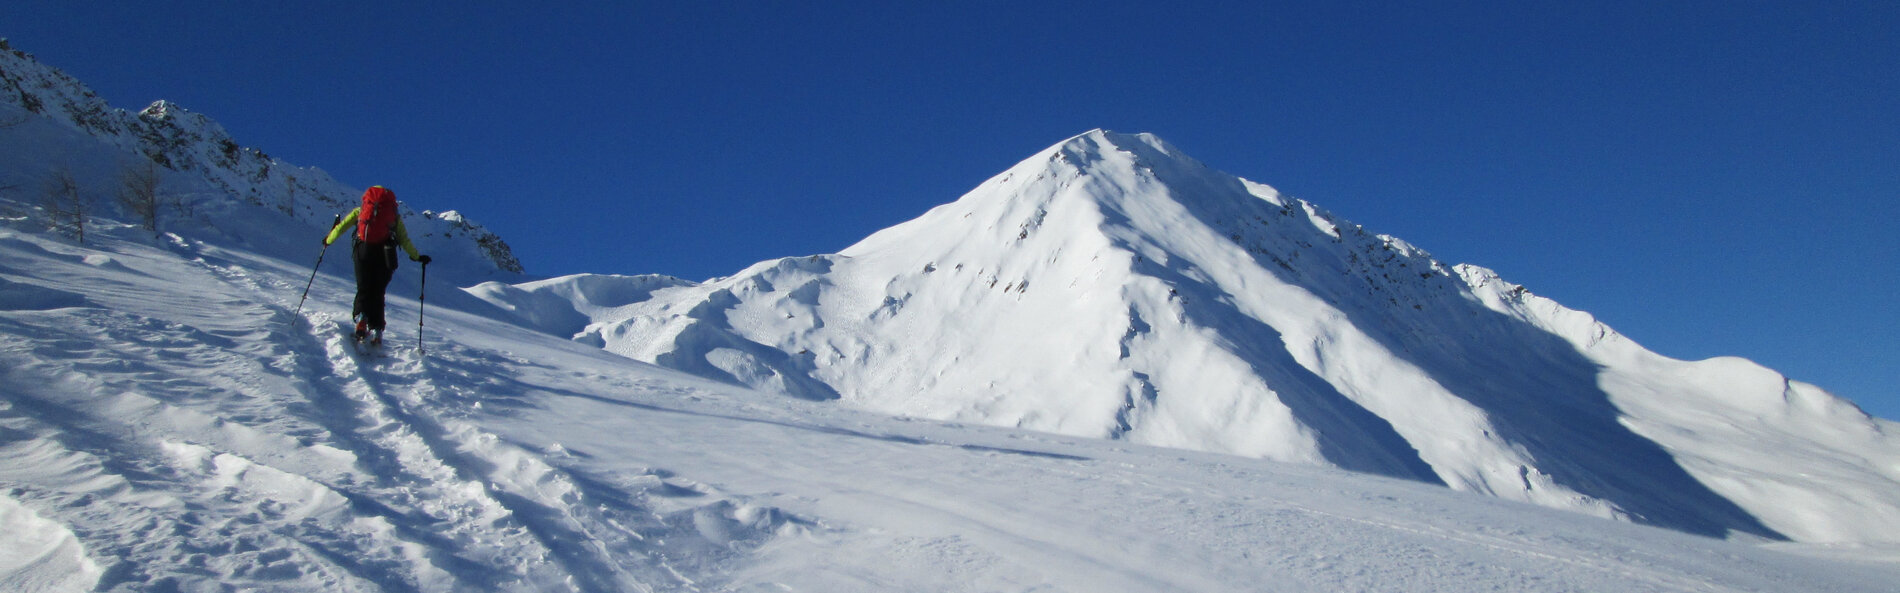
[1110,286]
[61,123]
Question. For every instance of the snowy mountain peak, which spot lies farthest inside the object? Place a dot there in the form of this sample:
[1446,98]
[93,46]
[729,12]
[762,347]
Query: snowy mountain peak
[1102,157]
[167,112]
[1112,287]
[1100,141]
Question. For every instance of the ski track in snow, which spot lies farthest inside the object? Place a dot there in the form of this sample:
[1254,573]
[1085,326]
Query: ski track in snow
[303,460]
[168,424]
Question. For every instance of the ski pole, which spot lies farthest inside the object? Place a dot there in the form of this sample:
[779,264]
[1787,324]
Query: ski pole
[313,269]
[421,290]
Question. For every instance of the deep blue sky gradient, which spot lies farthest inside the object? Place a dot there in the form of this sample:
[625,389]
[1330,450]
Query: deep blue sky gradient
[1710,178]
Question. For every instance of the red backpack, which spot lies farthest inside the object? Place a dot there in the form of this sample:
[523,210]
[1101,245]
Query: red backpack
[376,221]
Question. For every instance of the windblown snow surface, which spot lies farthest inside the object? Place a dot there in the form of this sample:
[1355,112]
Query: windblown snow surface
[167,424]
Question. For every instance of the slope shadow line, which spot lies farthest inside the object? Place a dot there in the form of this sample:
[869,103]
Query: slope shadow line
[1347,434]
[1537,389]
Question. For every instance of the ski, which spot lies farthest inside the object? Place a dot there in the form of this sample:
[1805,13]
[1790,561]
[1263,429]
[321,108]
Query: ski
[365,347]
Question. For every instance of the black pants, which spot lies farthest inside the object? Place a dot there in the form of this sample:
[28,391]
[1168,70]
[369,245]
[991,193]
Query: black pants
[375,265]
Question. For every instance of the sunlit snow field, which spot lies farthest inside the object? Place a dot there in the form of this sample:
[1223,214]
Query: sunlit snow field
[168,424]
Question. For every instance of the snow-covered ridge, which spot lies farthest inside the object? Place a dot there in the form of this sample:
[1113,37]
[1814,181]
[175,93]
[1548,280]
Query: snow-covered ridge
[63,125]
[1112,287]
[455,226]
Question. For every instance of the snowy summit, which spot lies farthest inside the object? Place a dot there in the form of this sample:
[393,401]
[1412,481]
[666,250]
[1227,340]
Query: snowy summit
[1109,368]
[1112,287]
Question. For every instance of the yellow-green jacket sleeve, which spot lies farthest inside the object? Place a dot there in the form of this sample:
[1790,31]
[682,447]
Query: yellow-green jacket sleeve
[349,220]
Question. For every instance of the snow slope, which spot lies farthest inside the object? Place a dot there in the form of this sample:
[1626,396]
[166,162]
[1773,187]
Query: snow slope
[1112,287]
[167,424]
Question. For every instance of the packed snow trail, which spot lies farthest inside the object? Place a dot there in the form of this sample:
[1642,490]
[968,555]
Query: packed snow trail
[213,407]
[166,423]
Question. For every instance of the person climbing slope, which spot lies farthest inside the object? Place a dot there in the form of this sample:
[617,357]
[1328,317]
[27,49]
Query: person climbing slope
[379,231]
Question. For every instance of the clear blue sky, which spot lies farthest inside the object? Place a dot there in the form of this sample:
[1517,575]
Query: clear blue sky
[1710,178]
